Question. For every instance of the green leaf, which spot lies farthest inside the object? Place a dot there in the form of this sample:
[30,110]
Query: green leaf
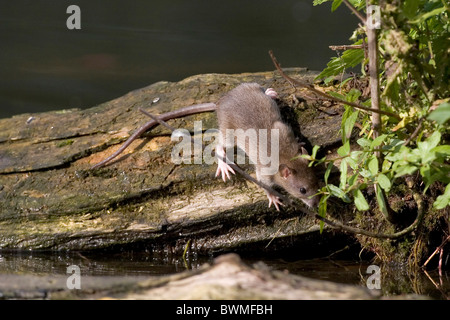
[317,2]
[384,181]
[404,170]
[425,172]
[354,159]
[410,8]
[434,139]
[442,114]
[386,165]
[378,140]
[364,142]
[323,209]
[349,124]
[314,151]
[443,200]
[426,146]
[373,165]
[365,173]
[428,157]
[381,201]
[422,17]
[441,152]
[335,5]
[328,80]
[336,95]
[360,202]
[344,150]
[335,191]
[349,59]
[353,95]
[343,177]
[327,172]
[352,180]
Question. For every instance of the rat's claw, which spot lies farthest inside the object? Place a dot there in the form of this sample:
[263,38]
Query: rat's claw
[223,169]
[271,93]
[275,200]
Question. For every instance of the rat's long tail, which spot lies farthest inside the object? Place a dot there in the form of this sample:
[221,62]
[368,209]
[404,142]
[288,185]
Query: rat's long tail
[186,111]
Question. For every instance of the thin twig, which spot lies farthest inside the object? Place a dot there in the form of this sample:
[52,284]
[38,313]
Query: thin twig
[346,47]
[415,133]
[356,12]
[436,251]
[306,85]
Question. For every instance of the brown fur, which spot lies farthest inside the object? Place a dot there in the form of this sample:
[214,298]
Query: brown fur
[248,107]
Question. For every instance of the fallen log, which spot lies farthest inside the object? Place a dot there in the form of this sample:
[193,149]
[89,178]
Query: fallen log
[50,199]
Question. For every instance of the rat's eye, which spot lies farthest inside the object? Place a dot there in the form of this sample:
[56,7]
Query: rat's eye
[302,190]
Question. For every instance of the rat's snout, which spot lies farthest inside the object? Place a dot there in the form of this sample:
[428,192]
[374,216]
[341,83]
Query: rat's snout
[311,202]
[315,201]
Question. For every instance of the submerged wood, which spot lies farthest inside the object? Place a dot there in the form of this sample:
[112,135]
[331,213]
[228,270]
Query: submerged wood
[50,199]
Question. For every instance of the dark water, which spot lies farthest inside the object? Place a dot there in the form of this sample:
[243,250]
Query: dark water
[395,280]
[125,45]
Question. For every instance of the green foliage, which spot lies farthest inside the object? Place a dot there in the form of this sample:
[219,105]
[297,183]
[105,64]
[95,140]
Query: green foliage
[349,59]
[414,76]
[441,114]
[336,3]
[443,200]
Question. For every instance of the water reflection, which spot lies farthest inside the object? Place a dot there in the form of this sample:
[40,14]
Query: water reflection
[394,280]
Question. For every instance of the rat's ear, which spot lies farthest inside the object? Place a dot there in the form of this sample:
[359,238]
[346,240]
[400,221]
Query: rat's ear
[301,145]
[303,150]
[285,171]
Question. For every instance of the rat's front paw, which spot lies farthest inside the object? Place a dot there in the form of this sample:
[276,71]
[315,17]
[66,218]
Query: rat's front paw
[223,169]
[275,200]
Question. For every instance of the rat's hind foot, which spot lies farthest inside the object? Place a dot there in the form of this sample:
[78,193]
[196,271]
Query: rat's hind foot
[224,169]
[275,200]
[271,93]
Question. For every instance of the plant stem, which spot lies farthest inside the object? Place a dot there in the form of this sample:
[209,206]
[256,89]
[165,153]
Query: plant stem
[356,12]
[346,47]
[377,126]
[374,82]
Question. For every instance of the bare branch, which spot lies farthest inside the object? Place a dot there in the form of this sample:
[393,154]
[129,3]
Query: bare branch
[346,47]
[415,133]
[436,251]
[356,12]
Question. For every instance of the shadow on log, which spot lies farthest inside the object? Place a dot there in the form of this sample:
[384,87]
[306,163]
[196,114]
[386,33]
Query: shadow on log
[51,200]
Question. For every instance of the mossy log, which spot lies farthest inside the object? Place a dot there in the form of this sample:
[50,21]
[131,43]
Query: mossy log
[50,199]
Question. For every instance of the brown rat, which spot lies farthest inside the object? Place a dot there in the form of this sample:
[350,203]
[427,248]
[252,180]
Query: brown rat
[251,109]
